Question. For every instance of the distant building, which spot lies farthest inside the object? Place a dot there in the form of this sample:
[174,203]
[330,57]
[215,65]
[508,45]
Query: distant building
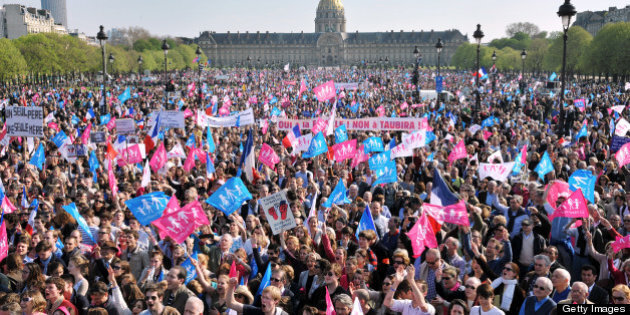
[17,20]
[90,40]
[330,45]
[58,10]
[594,21]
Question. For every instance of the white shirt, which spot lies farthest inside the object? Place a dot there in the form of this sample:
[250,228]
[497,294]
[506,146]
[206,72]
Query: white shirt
[476,310]
[406,308]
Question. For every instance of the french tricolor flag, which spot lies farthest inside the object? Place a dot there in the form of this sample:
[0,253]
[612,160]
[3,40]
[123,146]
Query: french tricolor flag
[291,136]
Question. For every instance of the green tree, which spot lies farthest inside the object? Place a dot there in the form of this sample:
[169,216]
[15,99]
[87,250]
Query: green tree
[40,53]
[536,55]
[577,44]
[12,62]
[608,52]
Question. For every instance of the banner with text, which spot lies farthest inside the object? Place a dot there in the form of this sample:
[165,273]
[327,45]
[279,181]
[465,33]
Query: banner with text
[25,121]
[278,212]
[364,124]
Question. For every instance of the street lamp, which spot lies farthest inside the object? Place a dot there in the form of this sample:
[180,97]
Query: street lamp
[478,35]
[566,11]
[102,37]
[494,66]
[198,53]
[523,57]
[386,62]
[165,48]
[140,61]
[438,48]
[416,75]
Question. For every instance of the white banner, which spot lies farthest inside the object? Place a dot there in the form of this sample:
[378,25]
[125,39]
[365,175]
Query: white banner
[244,118]
[365,124]
[499,172]
[622,127]
[168,119]
[416,139]
[401,150]
[24,121]
[126,126]
[302,143]
[278,212]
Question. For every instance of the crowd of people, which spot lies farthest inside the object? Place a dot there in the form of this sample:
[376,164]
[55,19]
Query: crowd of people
[513,258]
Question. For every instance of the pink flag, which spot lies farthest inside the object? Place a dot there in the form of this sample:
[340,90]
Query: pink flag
[268,156]
[182,223]
[345,150]
[319,125]
[159,158]
[85,137]
[201,155]
[172,206]
[7,206]
[623,155]
[330,308]
[130,155]
[264,126]
[187,113]
[416,105]
[422,235]
[404,106]
[224,111]
[380,111]
[459,152]
[619,244]
[455,213]
[424,123]
[111,124]
[573,207]
[486,135]
[558,187]
[111,178]
[53,125]
[4,243]
[360,157]
[325,91]
[302,88]
[233,273]
[190,161]
[524,155]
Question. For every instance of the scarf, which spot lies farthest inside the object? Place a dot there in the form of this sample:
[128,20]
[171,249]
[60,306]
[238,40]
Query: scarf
[508,291]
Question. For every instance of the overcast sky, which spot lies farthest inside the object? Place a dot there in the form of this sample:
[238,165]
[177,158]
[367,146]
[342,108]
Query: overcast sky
[188,18]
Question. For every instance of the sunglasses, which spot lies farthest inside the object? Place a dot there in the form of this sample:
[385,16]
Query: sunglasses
[398,262]
[446,278]
[116,267]
[387,283]
[151,298]
[330,274]
[508,269]
[539,287]
[239,296]
[432,262]
[275,280]
[472,287]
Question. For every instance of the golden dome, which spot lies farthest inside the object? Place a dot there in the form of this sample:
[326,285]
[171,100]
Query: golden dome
[330,5]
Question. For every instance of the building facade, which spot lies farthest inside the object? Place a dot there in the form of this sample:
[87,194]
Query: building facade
[329,45]
[58,10]
[17,20]
[593,21]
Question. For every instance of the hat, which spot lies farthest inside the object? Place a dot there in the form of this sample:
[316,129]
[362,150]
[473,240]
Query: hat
[109,245]
[249,298]
[526,222]
[99,287]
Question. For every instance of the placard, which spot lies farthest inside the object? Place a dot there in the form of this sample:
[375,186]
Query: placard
[25,121]
[76,150]
[278,212]
[125,126]
[168,119]
[98,137]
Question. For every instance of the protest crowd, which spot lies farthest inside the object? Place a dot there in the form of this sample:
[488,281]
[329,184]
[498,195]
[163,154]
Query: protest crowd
[313,192]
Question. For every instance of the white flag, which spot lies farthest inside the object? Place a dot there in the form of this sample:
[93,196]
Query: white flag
[286,67]
[356,307]
[146,175]
[331,121]
[622,127]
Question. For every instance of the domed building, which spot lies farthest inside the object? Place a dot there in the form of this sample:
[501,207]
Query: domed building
[329,45]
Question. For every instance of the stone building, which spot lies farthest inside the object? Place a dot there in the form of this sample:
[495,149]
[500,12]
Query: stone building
[329,45]
[17,20]
[594,21]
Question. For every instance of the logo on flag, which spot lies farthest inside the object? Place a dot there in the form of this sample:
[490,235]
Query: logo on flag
[230,196]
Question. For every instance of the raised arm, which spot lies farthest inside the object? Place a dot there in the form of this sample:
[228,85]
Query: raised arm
[231,302]
[417,294]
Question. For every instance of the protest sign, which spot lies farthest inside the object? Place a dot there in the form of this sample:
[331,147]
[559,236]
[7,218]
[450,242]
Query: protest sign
[24,121]
[98,137]
[168,119]
[125,126]
[278,212]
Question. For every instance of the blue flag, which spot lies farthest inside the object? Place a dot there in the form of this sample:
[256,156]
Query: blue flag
[209,165]
[105,119]
[24,201]
[386,174]
[149,207]
[191,141]
[254,266]
[544,166]
[75,120]
[582,133]
[341,134]
[93,162]
[337,196]
[430,137]
[488,122]
[553,76]
[275,111]
[316,147]
[230,196]
[74,212]
[366,222]
[265,281]
[38,158]
[354,108]
[373,144]
[379,160]
[125,95]
[516,169]
[59,139]
[584,180]
[391,144]
[441,195]
[191,271]
[210,140]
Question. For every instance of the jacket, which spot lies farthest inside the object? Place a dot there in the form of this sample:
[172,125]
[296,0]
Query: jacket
[181,295]
[517,245]
[138,260]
